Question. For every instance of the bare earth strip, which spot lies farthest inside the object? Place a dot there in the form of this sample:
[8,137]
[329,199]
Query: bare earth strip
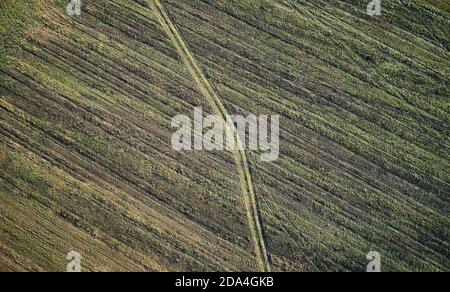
[255,223]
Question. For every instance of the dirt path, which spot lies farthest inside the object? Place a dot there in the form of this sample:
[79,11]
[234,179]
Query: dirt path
[255,222]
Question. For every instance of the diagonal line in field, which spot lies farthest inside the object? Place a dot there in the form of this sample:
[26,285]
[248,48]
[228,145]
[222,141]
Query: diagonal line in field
[253,213]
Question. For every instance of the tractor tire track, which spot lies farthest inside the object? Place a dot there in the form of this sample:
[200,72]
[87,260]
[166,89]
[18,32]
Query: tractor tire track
[253,213]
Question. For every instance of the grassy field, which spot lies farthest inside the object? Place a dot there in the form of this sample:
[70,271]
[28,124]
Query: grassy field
[86,163]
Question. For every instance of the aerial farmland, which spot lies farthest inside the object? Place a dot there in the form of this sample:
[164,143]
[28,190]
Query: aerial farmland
[356,105]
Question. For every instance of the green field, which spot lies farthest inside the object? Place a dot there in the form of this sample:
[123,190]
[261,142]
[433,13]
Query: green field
[86,162]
